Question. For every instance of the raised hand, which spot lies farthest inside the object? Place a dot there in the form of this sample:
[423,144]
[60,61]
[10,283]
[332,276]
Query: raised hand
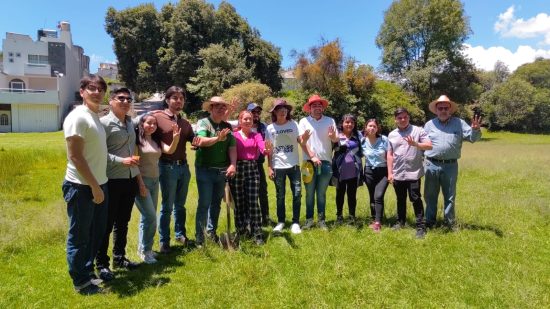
[222,135]
[476,123]
[410,140]
[332,133]
[305,137]
[176,131]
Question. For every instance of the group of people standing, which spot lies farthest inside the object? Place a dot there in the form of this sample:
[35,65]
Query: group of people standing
[116,161]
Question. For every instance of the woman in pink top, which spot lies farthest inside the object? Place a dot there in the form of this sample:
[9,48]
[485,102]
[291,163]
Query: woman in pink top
[245,184]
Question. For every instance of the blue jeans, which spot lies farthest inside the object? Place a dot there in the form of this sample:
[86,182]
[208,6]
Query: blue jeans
[174,183]
[87,225]
[318,188]
[293,175]
[148,208]
[444,176]
[211,186]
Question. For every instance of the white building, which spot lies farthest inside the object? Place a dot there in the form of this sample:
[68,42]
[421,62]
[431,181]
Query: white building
[39,80]
[108,70]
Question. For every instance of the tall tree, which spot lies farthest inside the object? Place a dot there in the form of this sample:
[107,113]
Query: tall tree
[422,43]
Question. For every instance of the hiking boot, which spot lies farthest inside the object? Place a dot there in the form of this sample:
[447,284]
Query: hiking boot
[339,220]
[106,274]
[308,224]
[322,225]
[123,262]
[295,228]
[420,233]
[165,248]
[90,289]
[278,228]
[147,257]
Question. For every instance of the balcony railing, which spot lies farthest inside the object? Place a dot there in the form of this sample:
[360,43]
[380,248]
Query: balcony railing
[28,96]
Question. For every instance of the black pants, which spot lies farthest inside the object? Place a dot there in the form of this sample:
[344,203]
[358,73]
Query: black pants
[348,186]
[122,193]
[264,205]
[413,188]
[377,183]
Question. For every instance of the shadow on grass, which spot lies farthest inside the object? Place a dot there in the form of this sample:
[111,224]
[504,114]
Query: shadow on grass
[286,235]
[487,139]
[129,283]
[467,226]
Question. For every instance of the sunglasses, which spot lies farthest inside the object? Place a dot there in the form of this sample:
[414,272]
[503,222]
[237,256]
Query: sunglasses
[122,98]
[93,89]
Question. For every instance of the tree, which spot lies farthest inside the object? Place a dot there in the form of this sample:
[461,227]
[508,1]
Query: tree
[422,43]
[222,67]
[248,92]
[135,32]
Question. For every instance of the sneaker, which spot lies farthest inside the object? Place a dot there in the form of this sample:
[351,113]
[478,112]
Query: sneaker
[182,240]
[308,224]
[278,228]
[339,220]
[322,225]
[147,257]
[90,289]
[420,233]
[106,274]
[295,228]
[94,279]
[376,227]
[165,248]
[398,226]
[123,262]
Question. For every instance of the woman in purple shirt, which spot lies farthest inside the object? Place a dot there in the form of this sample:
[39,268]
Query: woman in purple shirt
[246,183]
[347,167]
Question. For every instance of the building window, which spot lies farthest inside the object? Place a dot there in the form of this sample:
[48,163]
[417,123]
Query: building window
[17,85]
[11,60]
[17,54]
[38,59]
[10,54]
[4,120]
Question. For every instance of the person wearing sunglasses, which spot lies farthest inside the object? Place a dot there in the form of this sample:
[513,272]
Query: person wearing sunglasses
[441,167]
[122,171]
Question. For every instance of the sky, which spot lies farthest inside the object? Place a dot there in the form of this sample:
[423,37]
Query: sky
[513,31]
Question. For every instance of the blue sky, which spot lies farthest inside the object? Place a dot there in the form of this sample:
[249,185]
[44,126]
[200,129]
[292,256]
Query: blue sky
[511,31]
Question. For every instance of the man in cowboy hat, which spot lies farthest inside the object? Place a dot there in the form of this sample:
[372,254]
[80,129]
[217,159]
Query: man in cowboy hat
[446,133]
[215,160]
[318,150]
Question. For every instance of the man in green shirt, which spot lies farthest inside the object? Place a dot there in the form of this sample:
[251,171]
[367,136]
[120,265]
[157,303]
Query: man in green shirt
[215,161]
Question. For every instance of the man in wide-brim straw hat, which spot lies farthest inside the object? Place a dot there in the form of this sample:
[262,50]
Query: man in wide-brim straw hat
[441,168]
[215,160]
[318,150]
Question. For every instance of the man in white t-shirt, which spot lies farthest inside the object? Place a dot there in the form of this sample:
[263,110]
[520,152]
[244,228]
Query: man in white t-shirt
[318,150]
[85,184]
[284,162]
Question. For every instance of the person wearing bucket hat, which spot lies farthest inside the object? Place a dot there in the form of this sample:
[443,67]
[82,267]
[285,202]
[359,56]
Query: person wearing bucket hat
[215,161]
[404,160]
[283,163]
[441,167]
[318,150]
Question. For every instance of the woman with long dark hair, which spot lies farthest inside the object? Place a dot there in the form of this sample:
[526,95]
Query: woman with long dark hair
[347,167]
[375,147]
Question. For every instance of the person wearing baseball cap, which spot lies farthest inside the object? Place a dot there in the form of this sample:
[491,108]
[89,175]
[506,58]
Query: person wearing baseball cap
[318,150]
[260,127]
[441,167]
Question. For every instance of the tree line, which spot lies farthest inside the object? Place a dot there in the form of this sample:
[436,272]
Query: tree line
[215,51]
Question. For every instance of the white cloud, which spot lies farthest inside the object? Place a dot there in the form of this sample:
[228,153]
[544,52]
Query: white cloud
[510,26]
[485,58]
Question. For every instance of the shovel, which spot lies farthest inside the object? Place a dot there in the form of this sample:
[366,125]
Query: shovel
[226,240]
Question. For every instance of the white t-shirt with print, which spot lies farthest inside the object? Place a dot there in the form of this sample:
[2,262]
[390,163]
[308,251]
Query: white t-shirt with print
[285,144]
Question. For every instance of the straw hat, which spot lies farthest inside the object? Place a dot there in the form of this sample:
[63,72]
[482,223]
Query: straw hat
[314,98]
[442,99]
[213,100]
[307,171]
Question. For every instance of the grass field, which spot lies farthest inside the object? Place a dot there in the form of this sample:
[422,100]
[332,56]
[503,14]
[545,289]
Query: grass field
[500,257]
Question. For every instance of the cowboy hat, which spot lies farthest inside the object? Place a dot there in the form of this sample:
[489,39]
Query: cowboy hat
[314,98]
[213,100]
[442,99]
[280,102]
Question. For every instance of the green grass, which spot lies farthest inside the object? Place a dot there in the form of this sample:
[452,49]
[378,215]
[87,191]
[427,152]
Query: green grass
[500,257]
